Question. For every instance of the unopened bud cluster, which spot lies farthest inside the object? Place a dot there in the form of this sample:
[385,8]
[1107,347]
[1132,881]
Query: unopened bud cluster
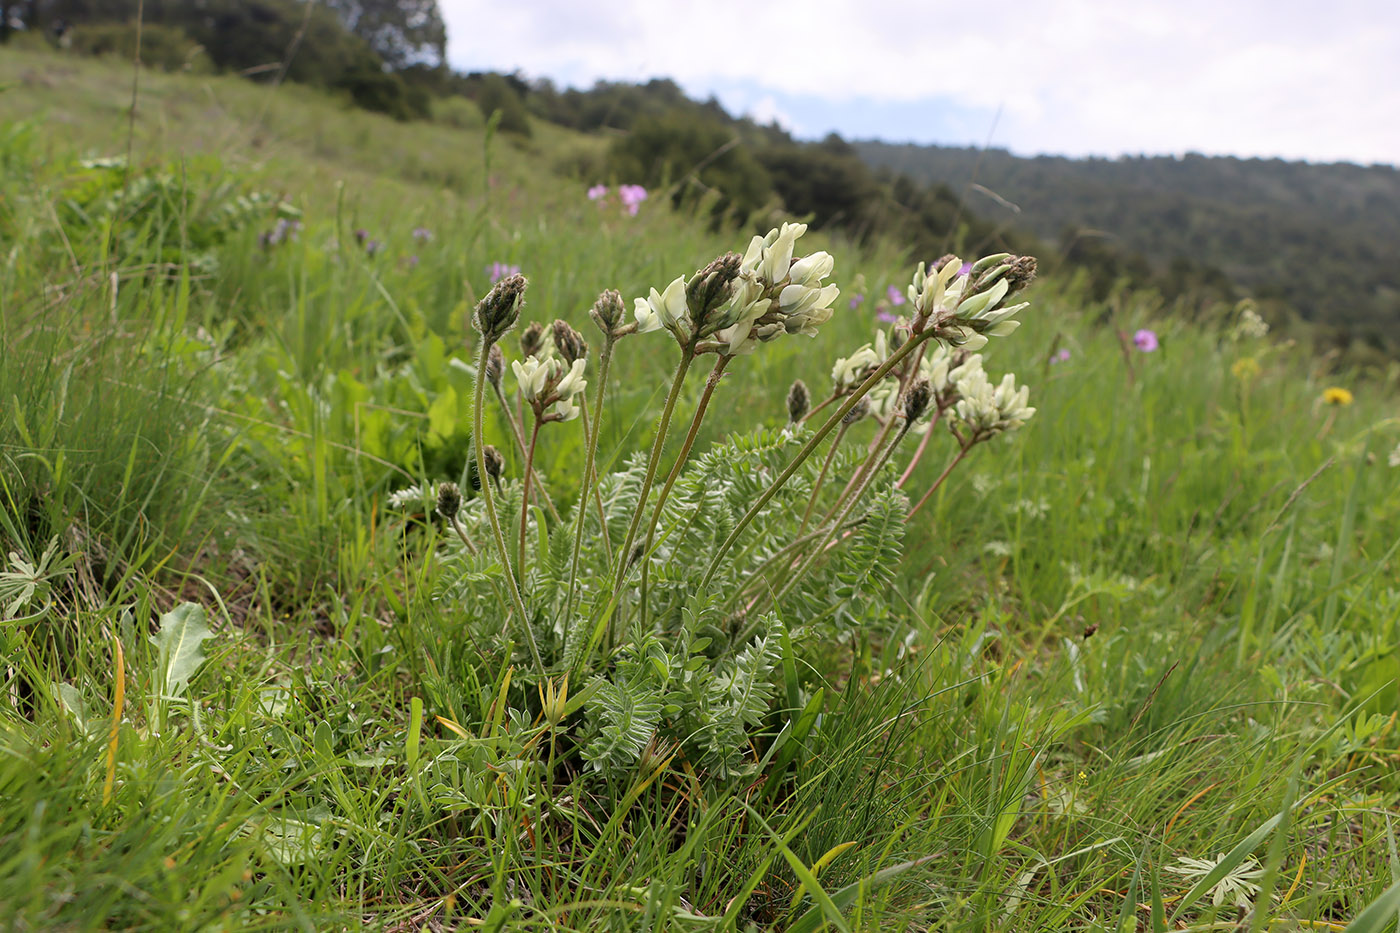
[497,313]
[736,302]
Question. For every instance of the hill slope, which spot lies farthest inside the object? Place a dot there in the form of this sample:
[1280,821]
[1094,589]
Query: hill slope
[1325,239]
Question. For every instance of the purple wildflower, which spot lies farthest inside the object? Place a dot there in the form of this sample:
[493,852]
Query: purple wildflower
[895,296]
[499,270]
[597,192]
[631,197]
[413,261]
[965,268]
[422,234]
[1145,340]
[1061,356]
[361,235]
[885,316]
[856,300]
[372,247]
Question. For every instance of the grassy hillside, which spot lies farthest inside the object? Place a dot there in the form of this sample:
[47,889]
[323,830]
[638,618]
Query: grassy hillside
[1319,239]
[1132,666]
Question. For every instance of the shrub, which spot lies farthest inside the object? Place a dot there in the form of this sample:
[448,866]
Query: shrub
[165,47]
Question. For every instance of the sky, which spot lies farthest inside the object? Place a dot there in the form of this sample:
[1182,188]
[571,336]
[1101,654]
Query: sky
[1271,78]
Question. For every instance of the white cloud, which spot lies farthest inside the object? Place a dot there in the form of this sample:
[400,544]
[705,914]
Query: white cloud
[1252,76]
[766,110]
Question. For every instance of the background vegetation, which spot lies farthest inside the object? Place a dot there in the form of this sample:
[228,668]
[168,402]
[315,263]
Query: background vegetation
[1158,624]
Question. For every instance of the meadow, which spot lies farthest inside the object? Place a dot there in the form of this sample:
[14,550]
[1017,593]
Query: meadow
[1135,664]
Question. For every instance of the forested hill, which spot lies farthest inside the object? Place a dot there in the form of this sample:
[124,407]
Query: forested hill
[1324,239]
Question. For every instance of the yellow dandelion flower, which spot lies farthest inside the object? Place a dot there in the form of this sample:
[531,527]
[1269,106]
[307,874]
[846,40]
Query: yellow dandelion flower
[1245,368]
[1335,395]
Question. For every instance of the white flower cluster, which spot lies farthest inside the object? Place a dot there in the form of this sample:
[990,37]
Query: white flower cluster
[550,385]
[772,295]
[403,498]
[966,318]
[1250,324]
[851,371]
[988,410]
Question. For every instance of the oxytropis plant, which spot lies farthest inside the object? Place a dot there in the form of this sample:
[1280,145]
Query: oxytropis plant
[671,594]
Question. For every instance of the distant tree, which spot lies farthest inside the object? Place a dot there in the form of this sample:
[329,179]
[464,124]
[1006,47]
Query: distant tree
[698,157]
[496,92]
[401,32]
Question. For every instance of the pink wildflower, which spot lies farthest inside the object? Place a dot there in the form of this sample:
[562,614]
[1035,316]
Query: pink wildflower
[1145,340]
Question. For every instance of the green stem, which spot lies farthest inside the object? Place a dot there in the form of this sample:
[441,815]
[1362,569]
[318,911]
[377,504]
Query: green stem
[919,451]
[862,472]
[939,482]
[525,499]
[478,441]
[711,382]
[821,478]
[624,562]
[519,436]
[592,476]
[855,498]
[829,399]
[593,430]
[456,524]
[811,445]
[756,575]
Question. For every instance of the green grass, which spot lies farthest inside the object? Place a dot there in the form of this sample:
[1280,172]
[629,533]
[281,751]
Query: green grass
[1159,616]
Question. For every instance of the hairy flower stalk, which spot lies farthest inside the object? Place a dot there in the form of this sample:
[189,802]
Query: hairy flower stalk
[519,437]
[707,314]
[928,494]
[624,560]
[710,384]
[607,313]
[494,316]
[821,476]
[915,401]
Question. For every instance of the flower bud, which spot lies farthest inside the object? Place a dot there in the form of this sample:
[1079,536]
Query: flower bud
[449,500]
[569,342]
[1021,273]
[500,309]
[916,400]
[712,286]
[532,339]
[799,401]
[607,311]
[495,463]
[495,365]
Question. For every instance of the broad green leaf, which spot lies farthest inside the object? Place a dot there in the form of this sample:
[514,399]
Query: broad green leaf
[72,700]
[182,632]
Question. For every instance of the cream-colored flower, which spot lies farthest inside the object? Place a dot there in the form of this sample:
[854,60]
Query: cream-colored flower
[661,309]
[532,373]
